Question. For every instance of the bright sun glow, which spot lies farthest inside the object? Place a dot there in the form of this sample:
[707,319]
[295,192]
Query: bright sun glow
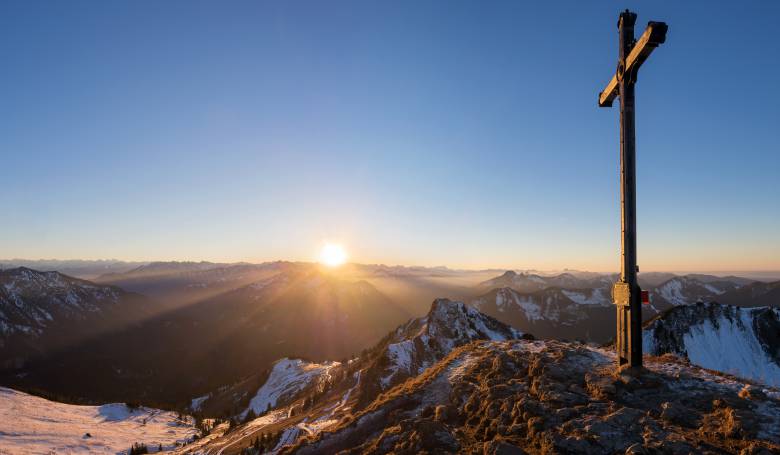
[333,255]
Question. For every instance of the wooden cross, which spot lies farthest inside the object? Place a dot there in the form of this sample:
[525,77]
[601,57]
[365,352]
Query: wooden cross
[626,293]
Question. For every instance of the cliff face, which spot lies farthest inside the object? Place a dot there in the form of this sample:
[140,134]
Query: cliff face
[740,341]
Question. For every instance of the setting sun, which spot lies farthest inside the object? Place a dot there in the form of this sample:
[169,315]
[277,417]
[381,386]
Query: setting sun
[333,255]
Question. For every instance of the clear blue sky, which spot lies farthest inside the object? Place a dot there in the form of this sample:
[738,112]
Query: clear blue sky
[456,133]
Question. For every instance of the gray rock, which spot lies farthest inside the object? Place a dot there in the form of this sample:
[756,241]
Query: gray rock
[501,447]
[679,414]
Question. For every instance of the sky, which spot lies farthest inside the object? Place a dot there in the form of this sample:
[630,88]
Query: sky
[455,133]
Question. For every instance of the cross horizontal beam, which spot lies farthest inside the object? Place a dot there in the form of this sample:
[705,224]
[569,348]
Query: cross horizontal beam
[654,35]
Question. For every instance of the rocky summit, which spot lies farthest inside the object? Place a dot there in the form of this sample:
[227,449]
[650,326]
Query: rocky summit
[521,396]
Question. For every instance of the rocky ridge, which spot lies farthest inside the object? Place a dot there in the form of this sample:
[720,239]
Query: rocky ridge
[554,397]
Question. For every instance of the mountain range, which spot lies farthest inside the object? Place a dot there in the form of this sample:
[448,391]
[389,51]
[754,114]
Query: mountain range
[167,332]
[296,352]
[568,306]
[182,350]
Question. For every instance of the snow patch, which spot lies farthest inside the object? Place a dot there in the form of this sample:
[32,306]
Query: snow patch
[731,347]
[713,289]
[287,377]
[400,356]
[727,343]
[596,297]
[33,425]
[532,311]
[196,403]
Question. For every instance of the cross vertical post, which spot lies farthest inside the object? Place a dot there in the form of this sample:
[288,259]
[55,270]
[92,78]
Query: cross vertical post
[630,316]
[626,293]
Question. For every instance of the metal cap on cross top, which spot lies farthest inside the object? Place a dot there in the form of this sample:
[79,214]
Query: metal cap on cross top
[626,293]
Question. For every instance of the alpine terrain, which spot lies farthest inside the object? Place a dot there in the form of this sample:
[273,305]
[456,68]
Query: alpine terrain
[458,381]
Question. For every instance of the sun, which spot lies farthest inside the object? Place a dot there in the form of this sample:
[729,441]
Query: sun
[333,255]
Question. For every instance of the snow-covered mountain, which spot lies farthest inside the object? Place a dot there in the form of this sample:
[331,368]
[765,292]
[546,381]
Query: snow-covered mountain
[579,306]
[422,342]
[33,425]
[31,301]
[741,341]
[307,398]
[685,290]
[585,314]
[530,282]
[288,377]
[41,311]
[665,288]
[288,380]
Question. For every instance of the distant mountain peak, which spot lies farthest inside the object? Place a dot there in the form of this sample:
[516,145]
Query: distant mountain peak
[37,284]
[456,319]
[421,342]
[26,272]
[44,310]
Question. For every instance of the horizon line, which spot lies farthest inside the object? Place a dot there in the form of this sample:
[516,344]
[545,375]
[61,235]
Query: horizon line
[440,266]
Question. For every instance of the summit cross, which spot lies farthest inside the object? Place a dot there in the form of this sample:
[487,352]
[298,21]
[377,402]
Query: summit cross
[626,293]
